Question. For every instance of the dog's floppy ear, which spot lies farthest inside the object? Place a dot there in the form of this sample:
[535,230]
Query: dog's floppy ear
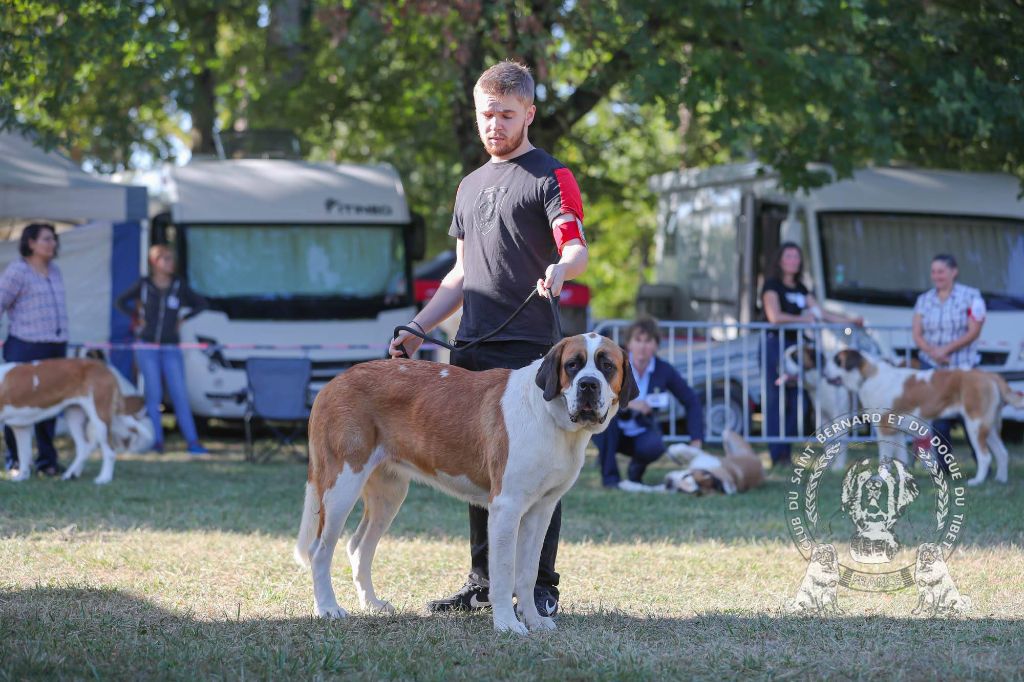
[849,359]
[629,389]
[549,375]
[134,404]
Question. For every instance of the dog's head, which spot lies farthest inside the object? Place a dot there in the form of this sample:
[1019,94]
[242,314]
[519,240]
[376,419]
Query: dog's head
[803,359]
[592,375]
[132,430]
[697,482]
[927,554]
[826,556]
[849,368]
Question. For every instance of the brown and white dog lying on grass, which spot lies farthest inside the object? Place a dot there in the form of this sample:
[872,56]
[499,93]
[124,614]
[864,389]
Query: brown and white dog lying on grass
[512,441]
[739,471]
[88,393]
[975,395]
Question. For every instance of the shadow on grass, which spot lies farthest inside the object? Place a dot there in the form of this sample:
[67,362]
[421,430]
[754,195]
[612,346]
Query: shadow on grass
[172,493]
[85,632]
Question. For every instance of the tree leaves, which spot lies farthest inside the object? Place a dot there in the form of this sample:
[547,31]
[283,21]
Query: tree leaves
[626,88]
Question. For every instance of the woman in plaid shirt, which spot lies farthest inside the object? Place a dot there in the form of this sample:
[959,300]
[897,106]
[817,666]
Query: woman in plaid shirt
[947,324]
[32,295]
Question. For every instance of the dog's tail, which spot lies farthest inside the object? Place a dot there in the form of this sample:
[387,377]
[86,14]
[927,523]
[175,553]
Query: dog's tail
[309,525]
[734,445]
[1009,396]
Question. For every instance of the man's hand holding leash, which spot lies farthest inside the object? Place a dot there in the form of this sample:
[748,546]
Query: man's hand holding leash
[571,265]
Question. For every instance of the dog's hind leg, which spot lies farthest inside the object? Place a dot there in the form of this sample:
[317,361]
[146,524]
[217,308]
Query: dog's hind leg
[336,504]
[1002,456]
[23,440]
[978,433]
[383,494]
[532,530]
[75,418]
[101,428]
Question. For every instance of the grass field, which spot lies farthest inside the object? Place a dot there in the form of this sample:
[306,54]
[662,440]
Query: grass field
[182,570]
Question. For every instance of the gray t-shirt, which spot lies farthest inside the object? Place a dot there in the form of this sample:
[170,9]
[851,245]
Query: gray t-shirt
[503,214]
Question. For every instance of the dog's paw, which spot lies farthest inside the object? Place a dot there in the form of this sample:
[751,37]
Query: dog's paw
[380,606]
[514,626]
[540,623]
[71,475]
[975,481]
[102,480]
[21,476]
[331,612]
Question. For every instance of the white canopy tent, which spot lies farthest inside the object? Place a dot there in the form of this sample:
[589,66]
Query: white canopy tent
[100,257]
[35,184]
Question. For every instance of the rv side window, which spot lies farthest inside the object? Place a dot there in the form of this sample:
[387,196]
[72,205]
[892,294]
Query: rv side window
[283,261]
[884,258]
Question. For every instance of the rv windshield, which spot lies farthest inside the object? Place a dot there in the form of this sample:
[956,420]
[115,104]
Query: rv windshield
[884,258]
[293,265]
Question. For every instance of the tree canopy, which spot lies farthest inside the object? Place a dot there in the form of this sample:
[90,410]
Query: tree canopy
[625,89]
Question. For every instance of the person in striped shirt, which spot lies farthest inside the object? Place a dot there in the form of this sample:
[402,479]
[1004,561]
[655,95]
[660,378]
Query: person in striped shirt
[946,326]
[32,296]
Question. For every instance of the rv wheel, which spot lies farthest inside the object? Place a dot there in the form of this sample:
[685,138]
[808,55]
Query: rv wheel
[722,415]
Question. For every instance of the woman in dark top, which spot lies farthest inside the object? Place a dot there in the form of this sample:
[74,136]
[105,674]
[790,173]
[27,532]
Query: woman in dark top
[787,301]
[155,303]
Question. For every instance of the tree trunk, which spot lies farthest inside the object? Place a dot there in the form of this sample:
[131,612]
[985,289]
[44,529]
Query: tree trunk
[204,85]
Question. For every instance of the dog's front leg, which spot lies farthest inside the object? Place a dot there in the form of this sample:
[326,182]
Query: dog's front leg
[23,440]
[503,535]
[532,530]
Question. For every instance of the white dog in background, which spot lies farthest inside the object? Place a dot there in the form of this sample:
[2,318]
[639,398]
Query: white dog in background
[831,399]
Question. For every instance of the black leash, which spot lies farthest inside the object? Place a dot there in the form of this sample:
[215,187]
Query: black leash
[416,332]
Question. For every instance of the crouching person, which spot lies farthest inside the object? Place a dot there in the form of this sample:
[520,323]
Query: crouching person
[635,431]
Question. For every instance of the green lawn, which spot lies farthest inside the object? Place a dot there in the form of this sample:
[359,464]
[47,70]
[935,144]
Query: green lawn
[183,570]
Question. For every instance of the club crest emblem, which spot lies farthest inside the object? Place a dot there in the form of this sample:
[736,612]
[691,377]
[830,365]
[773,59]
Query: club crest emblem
[880,527]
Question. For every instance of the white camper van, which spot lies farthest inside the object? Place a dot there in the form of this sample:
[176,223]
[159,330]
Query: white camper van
[868,242]
[297,259]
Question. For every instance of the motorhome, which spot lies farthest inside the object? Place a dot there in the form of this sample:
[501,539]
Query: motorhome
[868,241]
[296,259]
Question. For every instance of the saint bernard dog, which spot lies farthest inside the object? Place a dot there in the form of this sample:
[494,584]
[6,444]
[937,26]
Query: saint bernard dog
[512,441]
[830,400]
[739,471]
[89,394]
[975,395]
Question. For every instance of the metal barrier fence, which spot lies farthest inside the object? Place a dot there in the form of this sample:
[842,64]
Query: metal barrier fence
[728,366]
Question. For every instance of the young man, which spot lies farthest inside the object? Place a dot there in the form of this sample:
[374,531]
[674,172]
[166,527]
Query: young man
[513,216]
[635,431]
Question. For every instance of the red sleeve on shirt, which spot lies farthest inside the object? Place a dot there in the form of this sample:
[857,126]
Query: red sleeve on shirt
[572,204]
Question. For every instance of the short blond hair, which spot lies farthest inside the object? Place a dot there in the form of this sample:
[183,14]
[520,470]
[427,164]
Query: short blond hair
[507,78]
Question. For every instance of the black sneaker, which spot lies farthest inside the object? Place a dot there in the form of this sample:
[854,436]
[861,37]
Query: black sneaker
[546,599]
[52,471]
[473,596]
